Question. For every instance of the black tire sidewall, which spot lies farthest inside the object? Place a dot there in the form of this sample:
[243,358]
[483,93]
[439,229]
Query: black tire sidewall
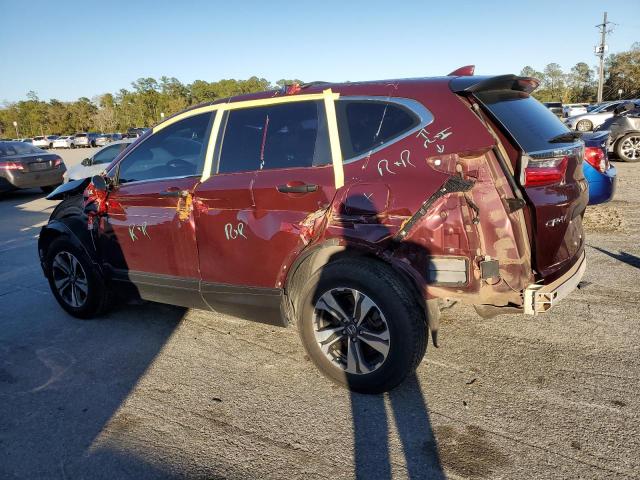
[96,286]
[403,319]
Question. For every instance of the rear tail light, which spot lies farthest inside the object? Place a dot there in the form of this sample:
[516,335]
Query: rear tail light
[597,158]
[57,162]
[546,171]
[11,166]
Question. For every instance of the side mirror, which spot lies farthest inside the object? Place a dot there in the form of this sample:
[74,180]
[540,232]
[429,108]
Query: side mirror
[99,183]
[86,162]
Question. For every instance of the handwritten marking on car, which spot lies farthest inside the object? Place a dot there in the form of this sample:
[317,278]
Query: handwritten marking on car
[441,136]
[405,160]
[555,221]
[232,232]
[139,228]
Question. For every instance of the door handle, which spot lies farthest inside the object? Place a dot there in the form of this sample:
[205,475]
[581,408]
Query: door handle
[304,188]
[175,193]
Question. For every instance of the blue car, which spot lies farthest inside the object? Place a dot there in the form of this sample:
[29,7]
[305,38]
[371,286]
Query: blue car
[600,174]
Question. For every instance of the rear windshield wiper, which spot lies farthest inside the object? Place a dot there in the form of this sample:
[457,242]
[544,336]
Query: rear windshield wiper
[565,137]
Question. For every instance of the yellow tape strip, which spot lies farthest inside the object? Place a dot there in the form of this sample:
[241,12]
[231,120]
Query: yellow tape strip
[208,159]
[183,115]
[334,138]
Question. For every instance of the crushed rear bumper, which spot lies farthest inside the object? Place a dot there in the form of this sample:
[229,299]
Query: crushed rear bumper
[541,298]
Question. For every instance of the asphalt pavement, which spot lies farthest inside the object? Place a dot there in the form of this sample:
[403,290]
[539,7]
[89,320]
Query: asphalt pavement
[154,391]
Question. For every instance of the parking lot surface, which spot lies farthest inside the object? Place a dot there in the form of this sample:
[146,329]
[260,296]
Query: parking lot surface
[152,391]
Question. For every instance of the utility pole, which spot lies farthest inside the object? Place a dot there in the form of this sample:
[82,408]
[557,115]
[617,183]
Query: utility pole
[600,51]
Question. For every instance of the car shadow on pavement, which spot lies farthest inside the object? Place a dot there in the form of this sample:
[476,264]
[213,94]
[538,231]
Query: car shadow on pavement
[623,257]
[405,406]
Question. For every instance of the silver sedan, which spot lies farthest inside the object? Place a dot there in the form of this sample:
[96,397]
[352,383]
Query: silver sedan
[589,121]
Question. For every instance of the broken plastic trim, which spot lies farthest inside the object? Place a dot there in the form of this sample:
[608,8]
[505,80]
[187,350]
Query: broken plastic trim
[452,185]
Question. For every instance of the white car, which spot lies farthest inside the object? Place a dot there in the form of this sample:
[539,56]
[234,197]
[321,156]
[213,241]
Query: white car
[98,162]
[44,142]
[66,141]
[571,109]
[591,120]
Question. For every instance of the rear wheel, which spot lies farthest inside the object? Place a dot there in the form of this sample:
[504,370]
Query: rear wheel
[75,282]
[628,147]
[361,326]
[584,126]
[73,145]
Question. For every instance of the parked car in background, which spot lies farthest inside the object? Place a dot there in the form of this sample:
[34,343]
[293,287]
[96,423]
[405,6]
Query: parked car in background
[572,109]
[98,162]
[600,174]
[44,142]
[624,131]
[554,107]
[27,140]
[105,138]
[589,121]
[25,166]
[85,139]
[337,206]
[136,132]
[66,141]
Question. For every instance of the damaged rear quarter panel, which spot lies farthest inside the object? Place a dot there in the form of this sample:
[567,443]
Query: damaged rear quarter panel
[385,189]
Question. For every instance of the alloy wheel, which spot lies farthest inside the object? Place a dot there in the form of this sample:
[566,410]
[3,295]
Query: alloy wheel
[630,148]
[70,279]
[351,330]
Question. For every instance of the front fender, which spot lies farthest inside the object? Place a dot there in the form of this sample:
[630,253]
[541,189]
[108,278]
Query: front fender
[74,228]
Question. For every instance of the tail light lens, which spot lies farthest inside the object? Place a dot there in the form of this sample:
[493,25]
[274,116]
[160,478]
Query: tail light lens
[57,162]
[597,158]
[11,166]
[546,171]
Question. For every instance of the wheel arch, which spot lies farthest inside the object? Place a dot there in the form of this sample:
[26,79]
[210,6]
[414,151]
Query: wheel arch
[334,250]
[70,228]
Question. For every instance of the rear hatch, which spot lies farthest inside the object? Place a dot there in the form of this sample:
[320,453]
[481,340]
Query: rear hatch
[548,171]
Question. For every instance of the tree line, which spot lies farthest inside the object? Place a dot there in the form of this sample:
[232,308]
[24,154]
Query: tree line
[143,103]
[580,84]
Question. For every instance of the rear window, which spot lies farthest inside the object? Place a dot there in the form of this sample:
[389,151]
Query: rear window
[79,135]
[9,149]
[38,138]
[530,123]
[368,124]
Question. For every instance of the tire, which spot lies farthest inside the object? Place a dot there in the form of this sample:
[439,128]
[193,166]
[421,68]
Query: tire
[584,126]
[628,147]
[72,146]
[51,145]
[394,322]
[74,281]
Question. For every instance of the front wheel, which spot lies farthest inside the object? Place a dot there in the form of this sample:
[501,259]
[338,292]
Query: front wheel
[628,147]
[74,281]
[73,146]
[361,326]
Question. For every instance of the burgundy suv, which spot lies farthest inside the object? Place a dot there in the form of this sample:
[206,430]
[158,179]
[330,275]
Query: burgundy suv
[349,209]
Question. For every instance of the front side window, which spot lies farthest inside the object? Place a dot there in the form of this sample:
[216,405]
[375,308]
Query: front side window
[367,124]
[277,136]
[107,154]
[175,151]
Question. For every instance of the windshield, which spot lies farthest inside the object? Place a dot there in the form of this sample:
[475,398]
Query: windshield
[530,123]
[11,149]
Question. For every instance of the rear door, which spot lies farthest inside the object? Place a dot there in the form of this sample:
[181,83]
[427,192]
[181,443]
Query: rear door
[549,170]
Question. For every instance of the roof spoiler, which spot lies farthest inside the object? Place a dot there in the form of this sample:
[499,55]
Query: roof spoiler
[470,84]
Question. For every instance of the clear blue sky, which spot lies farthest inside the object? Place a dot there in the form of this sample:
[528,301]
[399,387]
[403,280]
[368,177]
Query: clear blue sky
[68,49]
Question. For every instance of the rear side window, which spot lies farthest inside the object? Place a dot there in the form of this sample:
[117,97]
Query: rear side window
[530,123]
[175,151]
[277,136]
[365,125]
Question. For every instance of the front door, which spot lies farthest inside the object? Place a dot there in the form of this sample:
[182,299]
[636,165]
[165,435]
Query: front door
[149,234]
